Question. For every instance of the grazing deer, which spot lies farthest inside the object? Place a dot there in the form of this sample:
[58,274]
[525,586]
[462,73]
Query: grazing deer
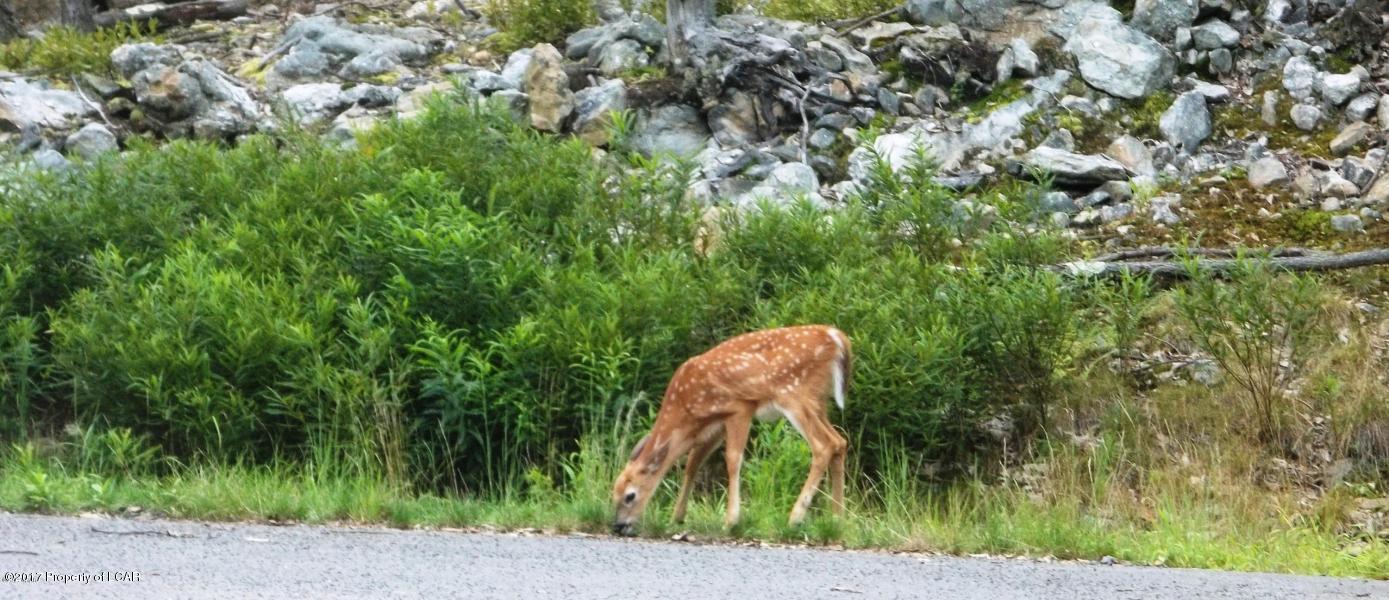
[714,397]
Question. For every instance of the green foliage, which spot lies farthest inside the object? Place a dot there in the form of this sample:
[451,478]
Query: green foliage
[66,51]
[455,319]
[1255,328]
[818,10]
[525,23]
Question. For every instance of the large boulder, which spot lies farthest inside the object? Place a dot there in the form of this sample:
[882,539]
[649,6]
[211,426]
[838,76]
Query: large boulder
[1162,18]
[672,129]
[1072,169]
[320,45]
[189,95]
[91,141]
[593,108]
[25,105]
[315,102]
[1187,122]
[1118,59]
[547,84]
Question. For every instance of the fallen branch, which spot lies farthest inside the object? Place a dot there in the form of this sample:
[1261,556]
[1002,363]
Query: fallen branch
[864,21]
[1165,252]
[1302,261]
[173,15]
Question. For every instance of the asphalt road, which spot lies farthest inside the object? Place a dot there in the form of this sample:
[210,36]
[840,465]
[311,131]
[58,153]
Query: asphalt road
[178,559]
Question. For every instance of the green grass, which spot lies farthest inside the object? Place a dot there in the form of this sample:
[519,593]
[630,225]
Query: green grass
[1185,530]
[67,51]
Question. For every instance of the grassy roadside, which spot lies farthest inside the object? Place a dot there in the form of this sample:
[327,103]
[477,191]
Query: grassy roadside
[1185,528]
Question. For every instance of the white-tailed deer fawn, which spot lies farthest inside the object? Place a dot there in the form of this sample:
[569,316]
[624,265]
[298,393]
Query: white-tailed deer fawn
[713,397]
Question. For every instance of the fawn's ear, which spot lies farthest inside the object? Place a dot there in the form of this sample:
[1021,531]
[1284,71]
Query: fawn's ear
[636,450]
[658,456]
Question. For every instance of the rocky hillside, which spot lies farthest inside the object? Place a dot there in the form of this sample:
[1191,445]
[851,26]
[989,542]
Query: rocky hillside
[1254,122]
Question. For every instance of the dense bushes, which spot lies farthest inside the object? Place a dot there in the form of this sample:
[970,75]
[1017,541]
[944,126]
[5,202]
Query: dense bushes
[460,297]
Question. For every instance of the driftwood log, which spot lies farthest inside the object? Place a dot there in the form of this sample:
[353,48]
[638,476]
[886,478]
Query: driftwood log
[173,15]
[1216,261]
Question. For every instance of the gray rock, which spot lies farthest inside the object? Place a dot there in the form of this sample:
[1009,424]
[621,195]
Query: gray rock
[854,61]
[321,43]
[48,159]
[371,64]
[1162,209]
[196,95]
[1070,168]
[514,72]
[1118,59]
[672,129]
[622,55]
[168,90]
[1054,202]
[1116,212]
[1324,184]
[1382,113]
[1357,171]
[24,105]
[1337,89]
[1061,139]
[734,120]
[824,57]
[1277,11]
[932,12]
[315,102]
[1347,224]
[130,59]
[1131,153]
[784,184]
[1182,39]
[869,35]
[1025,61]
[889,101]
[593,108]
[1222,61]
[1361,107]
[1300,77]
[547,86]
[1214,34]
[1267,172]
[1306,117]
[515,102]
[822,139]
[91,141]
[1350,137]
[411,104]
[1213,92]
[1187,122]
[1162,18]
[373,95]
[1269,112]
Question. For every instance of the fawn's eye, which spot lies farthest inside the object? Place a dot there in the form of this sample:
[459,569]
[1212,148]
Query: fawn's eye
[630,497]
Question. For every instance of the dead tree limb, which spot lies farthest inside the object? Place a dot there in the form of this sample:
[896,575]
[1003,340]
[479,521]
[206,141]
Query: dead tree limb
[1165,252]
[172,15]
[1304,261]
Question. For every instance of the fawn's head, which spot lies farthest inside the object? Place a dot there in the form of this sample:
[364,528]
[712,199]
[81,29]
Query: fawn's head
[636,483]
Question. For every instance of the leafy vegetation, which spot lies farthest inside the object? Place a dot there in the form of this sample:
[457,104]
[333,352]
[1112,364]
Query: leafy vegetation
[288,329]
[65,51]
[525,23]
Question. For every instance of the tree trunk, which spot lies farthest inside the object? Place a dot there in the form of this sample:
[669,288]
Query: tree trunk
[79,14]
[684,20]
[172,15]
[9,25]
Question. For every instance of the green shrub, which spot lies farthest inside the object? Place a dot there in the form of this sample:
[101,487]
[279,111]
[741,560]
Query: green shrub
[66,51]
[527,22]
[1255,328]
[456,318]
